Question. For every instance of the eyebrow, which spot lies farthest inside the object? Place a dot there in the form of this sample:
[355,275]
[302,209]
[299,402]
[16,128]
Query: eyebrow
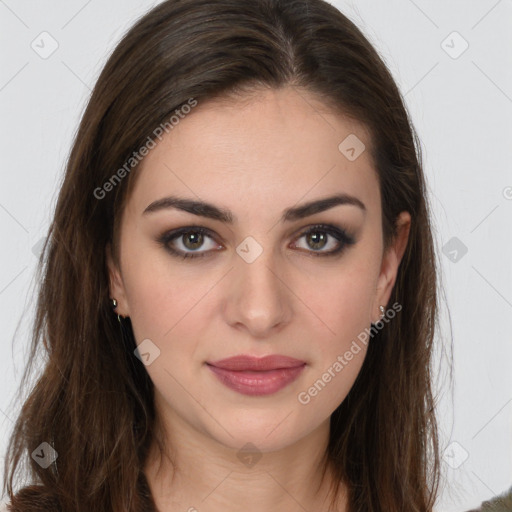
[210,211]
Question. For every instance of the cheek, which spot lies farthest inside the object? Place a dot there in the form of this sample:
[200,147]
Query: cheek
[169,305]
[340,351]
[158,289]
[342,301]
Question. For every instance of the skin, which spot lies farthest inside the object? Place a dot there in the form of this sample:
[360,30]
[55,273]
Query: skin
[254,157]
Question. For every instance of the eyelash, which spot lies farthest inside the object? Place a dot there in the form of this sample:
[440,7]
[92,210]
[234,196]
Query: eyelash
[340,235]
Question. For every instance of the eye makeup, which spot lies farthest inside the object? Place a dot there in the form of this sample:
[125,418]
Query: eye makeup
[328,233]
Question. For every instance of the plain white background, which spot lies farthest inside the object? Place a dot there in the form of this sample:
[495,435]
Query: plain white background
[453,64]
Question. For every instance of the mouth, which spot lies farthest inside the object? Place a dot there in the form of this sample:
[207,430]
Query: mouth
[254,376]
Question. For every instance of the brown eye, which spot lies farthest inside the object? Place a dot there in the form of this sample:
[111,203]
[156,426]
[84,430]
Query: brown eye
[189,242]
[316,240]
[321,237]
[193,240]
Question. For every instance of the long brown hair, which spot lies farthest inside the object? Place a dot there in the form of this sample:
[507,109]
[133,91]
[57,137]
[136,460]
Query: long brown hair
[93,401]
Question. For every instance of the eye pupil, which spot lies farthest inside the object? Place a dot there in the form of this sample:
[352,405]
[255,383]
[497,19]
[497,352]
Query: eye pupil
[195,238]
[318,238]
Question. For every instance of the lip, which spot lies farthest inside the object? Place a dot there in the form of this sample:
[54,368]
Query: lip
[251,363]
[255,376]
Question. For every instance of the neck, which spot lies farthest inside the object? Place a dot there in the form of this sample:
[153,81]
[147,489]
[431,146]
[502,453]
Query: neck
[196,473]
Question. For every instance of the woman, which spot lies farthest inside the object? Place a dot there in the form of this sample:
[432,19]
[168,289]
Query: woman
[238,301]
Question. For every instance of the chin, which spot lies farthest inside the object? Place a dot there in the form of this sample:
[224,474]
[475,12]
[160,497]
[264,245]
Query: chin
[268,431]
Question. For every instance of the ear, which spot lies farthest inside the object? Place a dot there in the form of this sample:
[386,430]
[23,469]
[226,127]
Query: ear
[116,285]
[391,262]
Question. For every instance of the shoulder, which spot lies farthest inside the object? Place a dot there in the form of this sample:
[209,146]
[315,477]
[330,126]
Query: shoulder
[32,498]
[501,503]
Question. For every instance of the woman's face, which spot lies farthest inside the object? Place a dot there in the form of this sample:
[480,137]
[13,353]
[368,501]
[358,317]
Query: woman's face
[254,282]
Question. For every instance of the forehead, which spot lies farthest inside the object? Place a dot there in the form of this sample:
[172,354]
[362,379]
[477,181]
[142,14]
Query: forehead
[280,145]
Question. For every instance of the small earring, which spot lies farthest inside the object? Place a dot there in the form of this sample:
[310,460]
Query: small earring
[381,312]
[114,306]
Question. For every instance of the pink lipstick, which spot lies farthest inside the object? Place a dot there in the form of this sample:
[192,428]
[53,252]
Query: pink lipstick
[255,376]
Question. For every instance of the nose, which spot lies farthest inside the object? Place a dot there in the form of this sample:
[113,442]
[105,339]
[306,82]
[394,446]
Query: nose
[258,297]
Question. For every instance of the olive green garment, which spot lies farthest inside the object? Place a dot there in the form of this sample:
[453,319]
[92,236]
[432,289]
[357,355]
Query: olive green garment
[502,503]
